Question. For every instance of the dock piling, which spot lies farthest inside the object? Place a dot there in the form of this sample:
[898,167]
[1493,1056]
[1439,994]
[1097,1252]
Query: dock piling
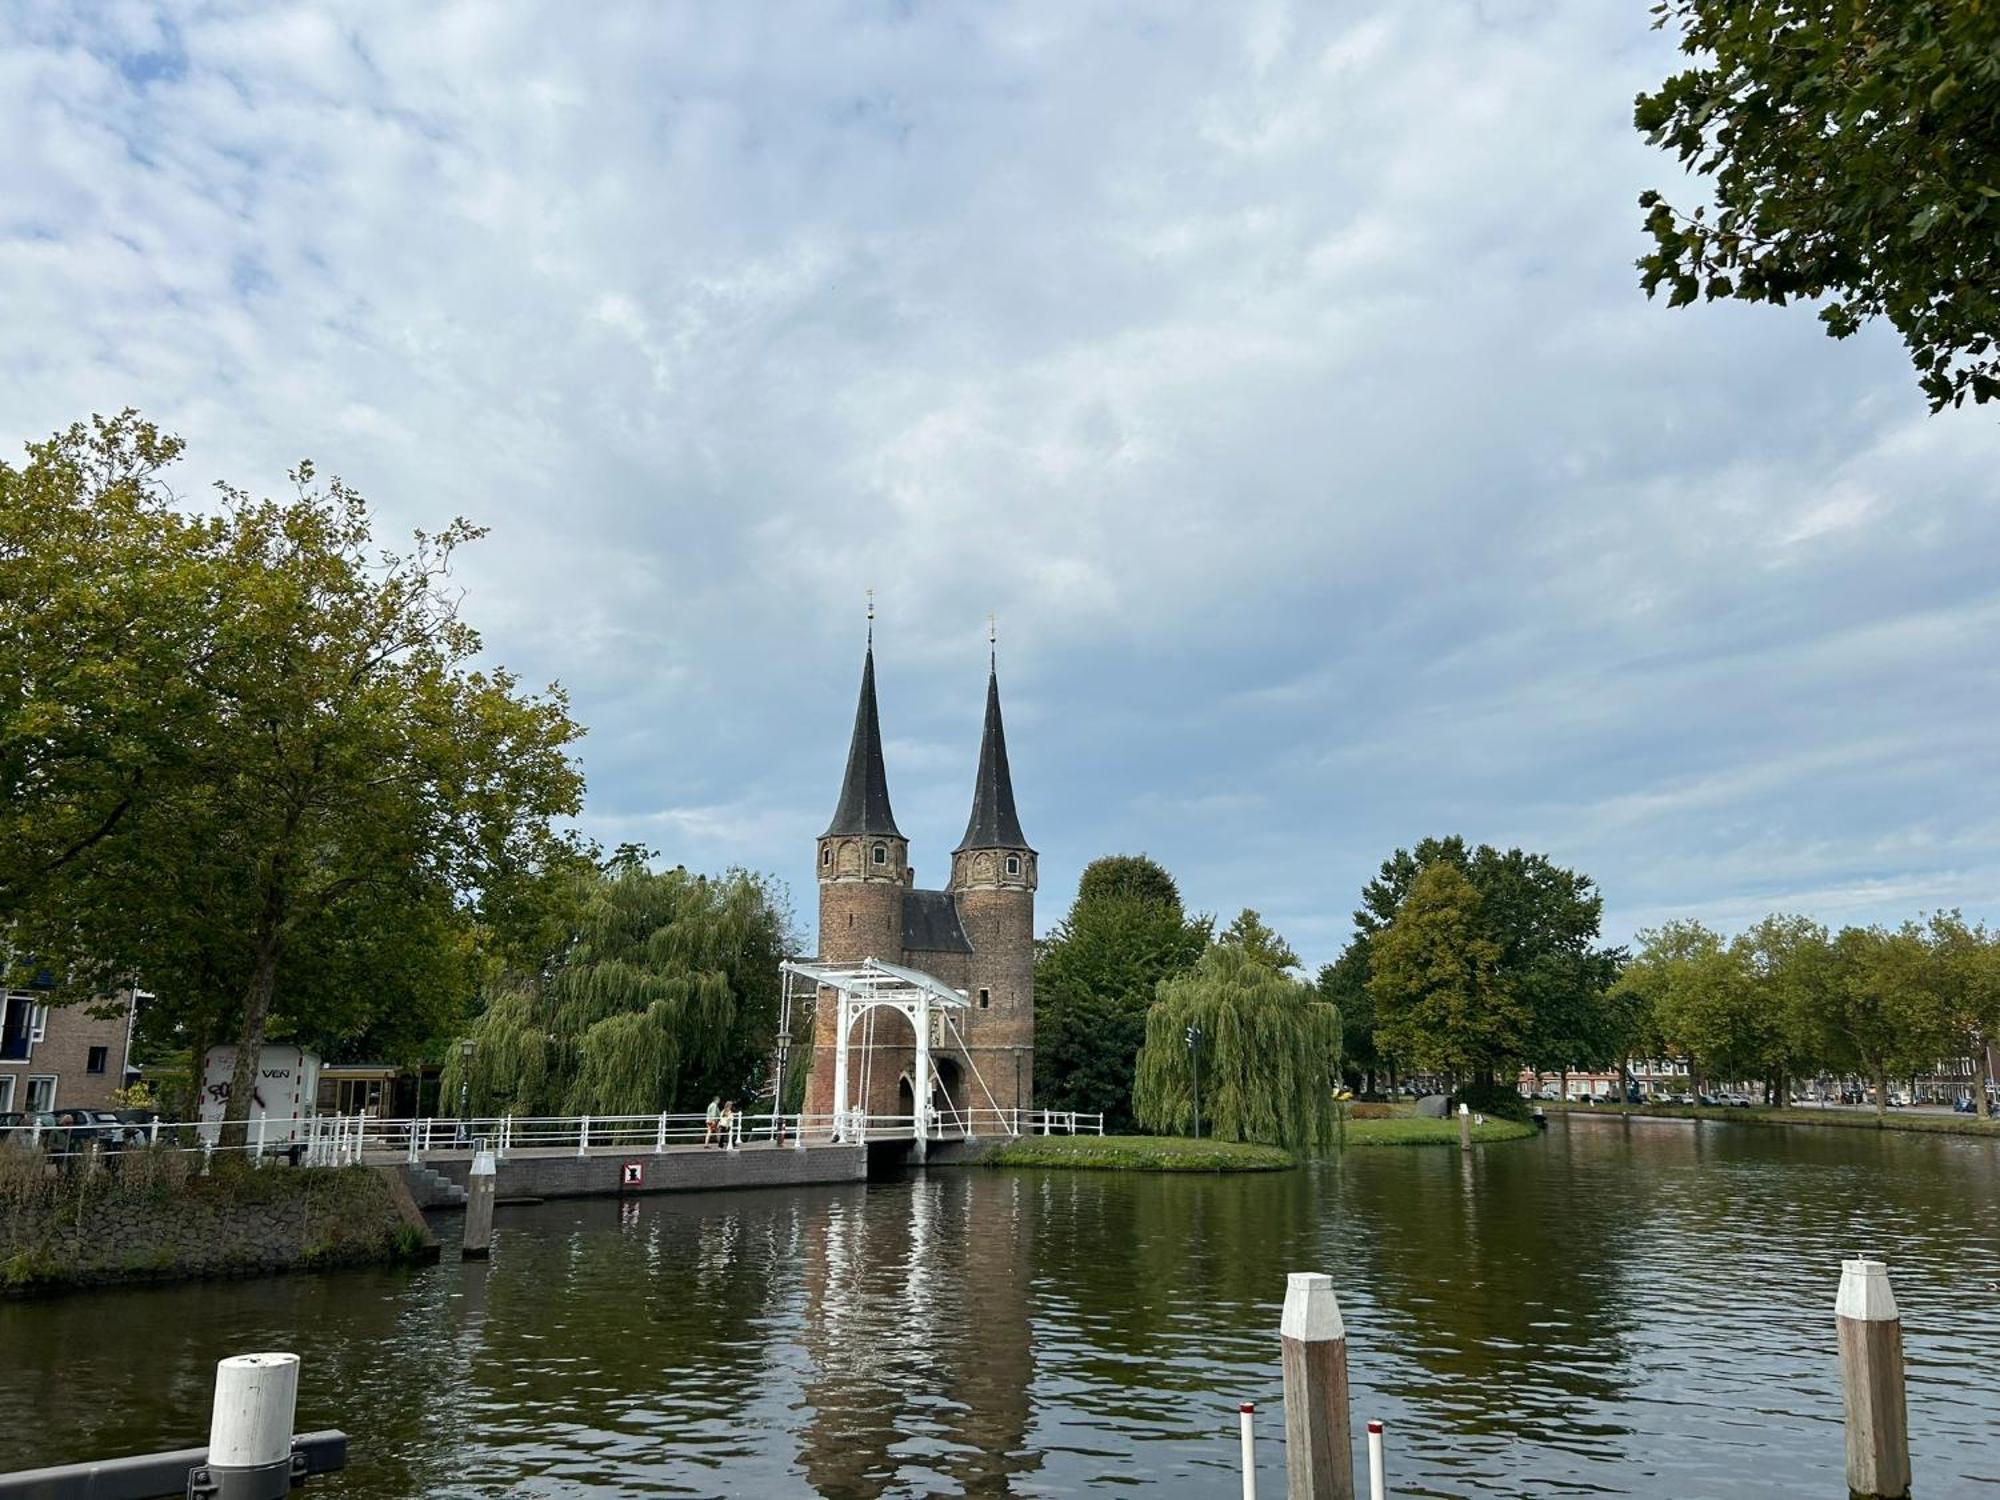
[1319,1445]
[1871,1380]
[480,1184]
[250,1428]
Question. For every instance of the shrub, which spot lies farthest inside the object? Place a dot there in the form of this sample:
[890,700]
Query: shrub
[1501,1100]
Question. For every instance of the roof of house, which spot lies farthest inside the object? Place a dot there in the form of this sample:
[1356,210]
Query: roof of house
[930,923]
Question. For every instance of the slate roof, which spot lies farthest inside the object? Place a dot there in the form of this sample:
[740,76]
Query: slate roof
[864,791]
[994,823]
[930,923]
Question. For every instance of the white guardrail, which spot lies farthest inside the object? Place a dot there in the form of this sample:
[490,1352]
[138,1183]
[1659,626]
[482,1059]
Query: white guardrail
[339,1139]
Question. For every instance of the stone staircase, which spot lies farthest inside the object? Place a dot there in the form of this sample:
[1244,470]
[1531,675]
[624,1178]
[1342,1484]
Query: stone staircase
[431,1188]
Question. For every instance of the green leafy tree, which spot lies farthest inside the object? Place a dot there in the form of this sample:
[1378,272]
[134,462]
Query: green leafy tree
[1966,964]
[1544,921]
[1269,1054]
[1441,1000]
[105,621]
[1853,153]
[1889,1016]
[1343,984]
[1251,933]
[344,782]
[1697,989]
[1790,964]
[1095,976]
[1136,877]
[664,993]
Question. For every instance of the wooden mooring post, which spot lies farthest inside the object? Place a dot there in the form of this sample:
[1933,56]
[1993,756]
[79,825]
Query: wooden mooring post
[480,1183]
[1319,1449]
[1871,1381]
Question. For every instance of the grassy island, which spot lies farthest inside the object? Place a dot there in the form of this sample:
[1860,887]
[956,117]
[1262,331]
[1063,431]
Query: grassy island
[1410,1130]
[1138,1153]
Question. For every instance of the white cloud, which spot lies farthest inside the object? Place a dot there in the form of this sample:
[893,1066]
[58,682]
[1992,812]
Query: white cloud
[1277,372]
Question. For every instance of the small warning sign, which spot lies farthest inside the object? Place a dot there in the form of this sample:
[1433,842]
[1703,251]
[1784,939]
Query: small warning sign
[635,1174]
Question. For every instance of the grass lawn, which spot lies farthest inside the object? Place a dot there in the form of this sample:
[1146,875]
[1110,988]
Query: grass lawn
[1138,1153]
[1851,1119]
[1409,1130]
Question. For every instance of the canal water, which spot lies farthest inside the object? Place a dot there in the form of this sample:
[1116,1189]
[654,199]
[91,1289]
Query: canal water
[1617,1308]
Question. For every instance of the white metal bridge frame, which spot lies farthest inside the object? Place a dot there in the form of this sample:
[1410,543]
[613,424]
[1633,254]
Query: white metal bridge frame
[860,989]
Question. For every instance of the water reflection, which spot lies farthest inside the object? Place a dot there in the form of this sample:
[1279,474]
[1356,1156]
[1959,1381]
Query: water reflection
[1619,1308]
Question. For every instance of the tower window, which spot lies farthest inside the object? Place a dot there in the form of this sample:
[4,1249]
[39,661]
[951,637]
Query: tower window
[985,999]
[1013,864]
[826,855]
[881,854]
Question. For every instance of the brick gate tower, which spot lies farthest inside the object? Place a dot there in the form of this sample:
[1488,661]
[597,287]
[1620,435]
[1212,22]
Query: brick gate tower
[977,935]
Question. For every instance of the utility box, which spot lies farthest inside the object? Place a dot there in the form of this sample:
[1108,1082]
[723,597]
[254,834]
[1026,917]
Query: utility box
[282,1093]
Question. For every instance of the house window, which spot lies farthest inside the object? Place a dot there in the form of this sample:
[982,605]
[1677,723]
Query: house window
[38,1029]
[99,1056]
[6,1092]
[881,854]
[985,999]
[1013,864]
[41,1093]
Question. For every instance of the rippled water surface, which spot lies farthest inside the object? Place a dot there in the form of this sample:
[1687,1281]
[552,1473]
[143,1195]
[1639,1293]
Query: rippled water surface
[1619,1308]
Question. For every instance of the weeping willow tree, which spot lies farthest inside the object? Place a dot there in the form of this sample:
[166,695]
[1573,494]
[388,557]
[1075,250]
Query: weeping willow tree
[1269,1055]
[663,994]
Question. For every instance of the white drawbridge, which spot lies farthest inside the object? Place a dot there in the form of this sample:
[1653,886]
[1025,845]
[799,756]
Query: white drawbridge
[931,1007]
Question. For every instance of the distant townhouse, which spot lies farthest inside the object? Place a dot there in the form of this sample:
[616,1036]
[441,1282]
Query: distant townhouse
[53,1056]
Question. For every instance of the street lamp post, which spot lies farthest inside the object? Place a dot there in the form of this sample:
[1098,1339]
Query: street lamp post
[1194,1059]
[464,1076]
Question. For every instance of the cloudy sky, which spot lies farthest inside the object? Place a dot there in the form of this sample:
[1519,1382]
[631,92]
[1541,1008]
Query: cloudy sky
[1277,373]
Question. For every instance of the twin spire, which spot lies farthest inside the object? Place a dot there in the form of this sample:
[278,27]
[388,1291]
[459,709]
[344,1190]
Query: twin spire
[864,790]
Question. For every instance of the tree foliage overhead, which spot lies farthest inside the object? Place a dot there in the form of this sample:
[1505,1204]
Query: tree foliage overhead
[103,632]
[1269,1054]
[1095,977]
[342,783]
[1853,153]
[662,994]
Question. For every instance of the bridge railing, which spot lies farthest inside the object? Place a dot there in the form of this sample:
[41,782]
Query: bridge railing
[340,1139]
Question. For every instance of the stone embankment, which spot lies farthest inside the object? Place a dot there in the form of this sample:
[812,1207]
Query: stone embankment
[148,1216]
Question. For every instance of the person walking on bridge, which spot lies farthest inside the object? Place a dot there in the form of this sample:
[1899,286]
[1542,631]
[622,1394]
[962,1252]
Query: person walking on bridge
[714,1120]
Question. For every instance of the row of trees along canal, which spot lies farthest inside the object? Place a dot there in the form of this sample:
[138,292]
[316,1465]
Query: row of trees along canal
[1475,963]
[252,764]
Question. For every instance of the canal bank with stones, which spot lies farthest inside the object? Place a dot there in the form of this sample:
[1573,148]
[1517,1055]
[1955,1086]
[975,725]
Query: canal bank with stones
[1615,1308]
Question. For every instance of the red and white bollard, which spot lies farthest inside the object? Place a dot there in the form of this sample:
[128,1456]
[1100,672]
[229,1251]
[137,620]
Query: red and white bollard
[1243,1415]
[1378,1481]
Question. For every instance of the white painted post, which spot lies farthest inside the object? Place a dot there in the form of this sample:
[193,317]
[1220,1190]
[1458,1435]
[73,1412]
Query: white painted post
[660,1136]
[1871,1378]
[583,1136]
[413,1141]
[260,1140]
[250,1427]
[1464,1128]
[1319,1446]
[480,1185]
[1243,1415]
[35,1134]
[506,1134]
[153,1132]
[842,1018]
[921,1084]
[360,1135]
[1378,1478]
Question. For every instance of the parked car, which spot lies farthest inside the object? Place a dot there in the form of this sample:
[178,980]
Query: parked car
[82,1128]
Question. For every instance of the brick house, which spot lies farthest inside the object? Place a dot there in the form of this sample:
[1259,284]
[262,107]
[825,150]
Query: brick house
[55,1056]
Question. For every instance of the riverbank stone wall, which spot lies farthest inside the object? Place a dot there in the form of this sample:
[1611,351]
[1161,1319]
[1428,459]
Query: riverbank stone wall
[79,1232]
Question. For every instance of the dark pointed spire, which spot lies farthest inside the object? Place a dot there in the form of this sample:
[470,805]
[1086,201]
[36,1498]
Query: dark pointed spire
[994,823]
[864,791]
